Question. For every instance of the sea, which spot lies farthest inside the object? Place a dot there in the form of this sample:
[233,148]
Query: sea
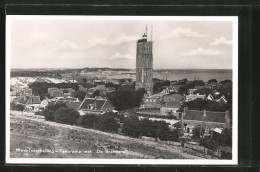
[192,74]
[189,74]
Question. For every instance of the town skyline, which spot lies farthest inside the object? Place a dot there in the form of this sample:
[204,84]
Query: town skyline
[69,43]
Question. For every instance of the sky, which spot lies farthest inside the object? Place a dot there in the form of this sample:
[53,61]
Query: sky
[85,41]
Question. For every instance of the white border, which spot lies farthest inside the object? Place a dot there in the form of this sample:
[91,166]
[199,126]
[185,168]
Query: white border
[234,161]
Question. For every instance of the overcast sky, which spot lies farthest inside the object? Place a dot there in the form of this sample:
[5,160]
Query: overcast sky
[67,42]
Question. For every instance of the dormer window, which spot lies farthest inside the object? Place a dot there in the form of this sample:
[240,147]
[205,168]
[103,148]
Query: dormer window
[91,107]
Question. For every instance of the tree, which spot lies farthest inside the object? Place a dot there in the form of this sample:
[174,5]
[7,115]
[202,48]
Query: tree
[50,109]
[88,121]
[209,143]
[177,125]
[132,126]
[225,138]
[127,88]
[213,81]
[184,89]
[18,107]
[227,81]
[166,134]
[79,94]
[66,116]
[96,93]
[208,105]
[126,99]
[110,84]
[205,91]
[159,85]
[196,132]
[108,123]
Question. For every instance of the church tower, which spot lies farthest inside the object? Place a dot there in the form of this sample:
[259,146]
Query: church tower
[144,64]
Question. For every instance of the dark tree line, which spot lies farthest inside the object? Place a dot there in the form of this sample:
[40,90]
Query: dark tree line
[135,127]
[184,89]
[208,105]
[106,122]
[159,85]
[126,99]
[79,94]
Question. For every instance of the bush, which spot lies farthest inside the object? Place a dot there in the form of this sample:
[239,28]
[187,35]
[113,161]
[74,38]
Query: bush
[209,143]
[88,121]
[166,134]
[106,122]
[18,107]
[79,94]
[48,113]
[199,104]
[132,127]
[136,128]
[126,99]
[66,116]
[196,133]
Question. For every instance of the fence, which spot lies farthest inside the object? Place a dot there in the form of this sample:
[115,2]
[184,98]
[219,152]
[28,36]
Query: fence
[195,147]
[212,152]
[170,143]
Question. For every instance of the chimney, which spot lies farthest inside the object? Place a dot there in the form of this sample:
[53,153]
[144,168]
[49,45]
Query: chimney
[184,110]
[95,103]
[204,113]
[227,118]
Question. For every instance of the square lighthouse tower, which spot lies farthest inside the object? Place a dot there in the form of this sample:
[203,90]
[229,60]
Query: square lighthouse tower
[144,64]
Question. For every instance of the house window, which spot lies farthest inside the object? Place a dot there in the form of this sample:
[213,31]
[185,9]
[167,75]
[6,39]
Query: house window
[91,107]
[207,129]
[147,100]
[154,100]
[151,100]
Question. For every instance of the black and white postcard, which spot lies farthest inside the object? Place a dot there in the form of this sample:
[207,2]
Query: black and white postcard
[121,90]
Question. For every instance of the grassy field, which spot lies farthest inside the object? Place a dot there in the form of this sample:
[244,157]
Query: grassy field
[40,139]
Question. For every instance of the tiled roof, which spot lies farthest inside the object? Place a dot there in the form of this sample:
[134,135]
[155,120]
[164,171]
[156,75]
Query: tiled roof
[28,90]
[155,96]
[51,103]
[91,90]
[199,116]
[195,96]
[69,99]
[96,102]
[34,100]
[174,104]
[56,93]
[73,105]
[101,87]
[24,99]
[61,102]
[29,100]
[177,97]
